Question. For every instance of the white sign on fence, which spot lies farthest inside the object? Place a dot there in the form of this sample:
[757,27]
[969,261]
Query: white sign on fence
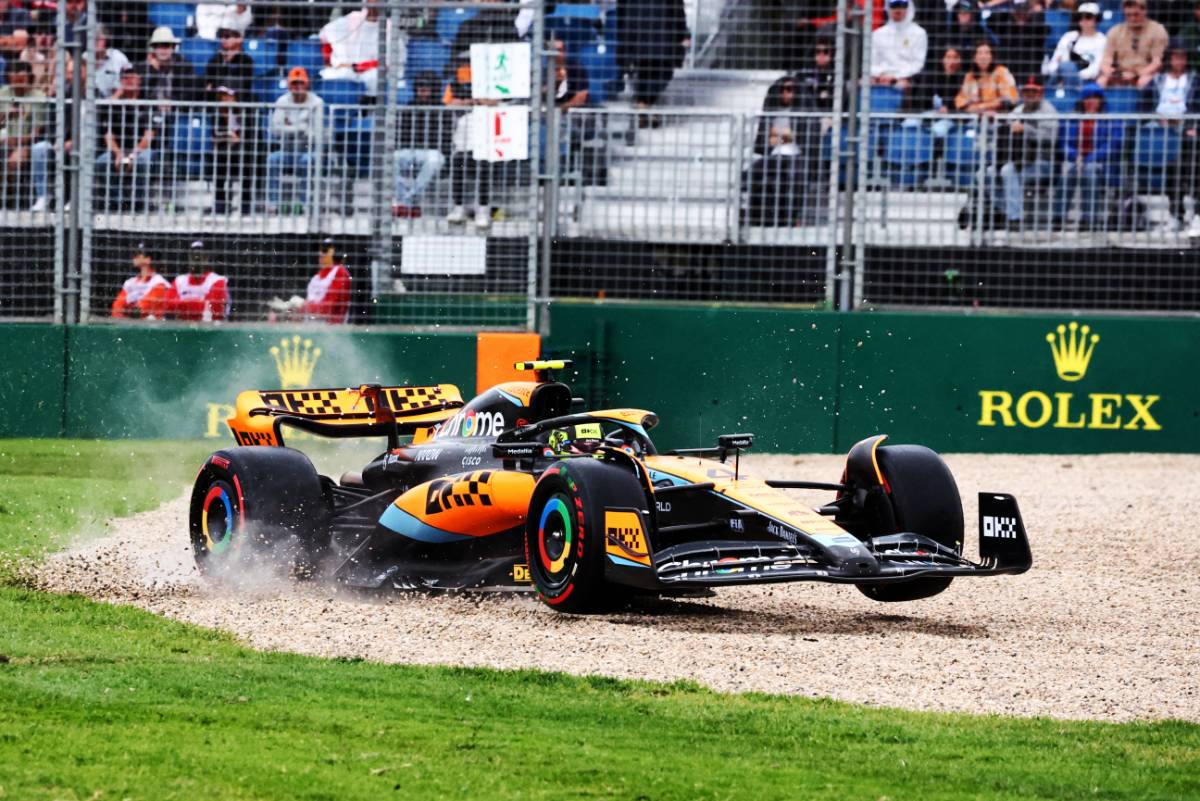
[443,255]
[500,71]
[500,133]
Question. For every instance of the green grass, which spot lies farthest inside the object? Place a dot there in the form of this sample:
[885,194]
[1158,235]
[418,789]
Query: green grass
[107,702]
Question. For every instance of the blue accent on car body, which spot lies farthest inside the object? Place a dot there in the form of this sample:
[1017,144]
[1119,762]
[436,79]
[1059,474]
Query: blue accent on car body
[397,520]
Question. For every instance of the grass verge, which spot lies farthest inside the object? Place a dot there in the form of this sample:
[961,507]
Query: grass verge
[104,702]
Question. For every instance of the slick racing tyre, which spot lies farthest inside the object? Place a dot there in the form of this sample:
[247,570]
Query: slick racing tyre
[564,537]
[925,501]
[255,505]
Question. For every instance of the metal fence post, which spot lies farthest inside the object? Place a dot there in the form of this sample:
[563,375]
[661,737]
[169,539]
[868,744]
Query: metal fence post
[835,154]
[383,146]
[851,289]
[540,94]
[84,153]
[60,120]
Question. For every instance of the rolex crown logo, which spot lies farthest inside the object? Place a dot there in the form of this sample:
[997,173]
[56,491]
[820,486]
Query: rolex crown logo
[295,361]
[1072,347]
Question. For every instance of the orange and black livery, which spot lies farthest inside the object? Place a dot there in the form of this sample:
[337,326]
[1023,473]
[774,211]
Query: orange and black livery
[520,488]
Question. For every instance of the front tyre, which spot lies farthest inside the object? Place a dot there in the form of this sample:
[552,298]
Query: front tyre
[255,504]
[924,500]
[565,531]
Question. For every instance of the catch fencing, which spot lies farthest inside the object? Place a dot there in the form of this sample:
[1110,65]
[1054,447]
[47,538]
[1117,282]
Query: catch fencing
[704,197]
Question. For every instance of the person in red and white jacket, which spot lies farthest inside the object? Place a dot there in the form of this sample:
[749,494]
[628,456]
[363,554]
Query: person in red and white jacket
[145,295]
[328,297]
[200,293]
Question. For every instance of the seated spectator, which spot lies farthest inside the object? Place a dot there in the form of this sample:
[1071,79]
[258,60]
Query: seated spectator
[110,63]
[199,294]
[775,182]
[937,90]
[212,18]
[42,55]
[898,49]
[22,119]
[297,124]
[988,87]
[1175,95]
[1028,143]
[1080,52]
[351,45]
[814,83]
[1091,149]
[76,21]
[235,150]
[144,295]
[128,134]
[229,66]
[1133,53]
[423,133]
[1020,35]
[15,24]
[964,29]
[328,295]
[164,75]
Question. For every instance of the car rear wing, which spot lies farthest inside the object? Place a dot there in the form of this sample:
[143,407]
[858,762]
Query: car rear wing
[370,410]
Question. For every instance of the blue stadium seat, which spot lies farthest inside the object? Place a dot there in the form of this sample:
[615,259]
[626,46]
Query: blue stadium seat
[1064,100]
[449,20]
[909,152]
[179,17]
[574,32]
[268,88]
[339,92]
[352,141]
[1122,100]
[585,11]
[305,53]
[192,142]
[404,92]
[1155,149]
[3,71]
[197,52]
[265,55]
[1059,22]
[1109,18]
[426,55]
[961,156]
[886,99]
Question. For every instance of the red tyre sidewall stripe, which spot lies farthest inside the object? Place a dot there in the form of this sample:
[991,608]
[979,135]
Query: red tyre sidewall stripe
[237,485]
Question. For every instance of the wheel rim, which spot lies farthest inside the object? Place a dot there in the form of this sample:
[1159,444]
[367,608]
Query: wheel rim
[216,519]
[555,537]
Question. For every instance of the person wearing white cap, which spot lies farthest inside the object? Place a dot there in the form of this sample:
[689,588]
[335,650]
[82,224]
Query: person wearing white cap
[1079,53]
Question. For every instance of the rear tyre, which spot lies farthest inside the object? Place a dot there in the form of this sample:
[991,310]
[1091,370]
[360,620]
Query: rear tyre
[924,500]
[564,535]
[259,504]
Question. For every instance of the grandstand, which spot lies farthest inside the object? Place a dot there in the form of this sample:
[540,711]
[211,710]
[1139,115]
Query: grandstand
[674,200]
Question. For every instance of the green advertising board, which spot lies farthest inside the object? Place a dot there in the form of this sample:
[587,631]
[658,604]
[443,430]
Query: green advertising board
[813,381]
[1037,384]
[709,371]
[182,382]
[31,384]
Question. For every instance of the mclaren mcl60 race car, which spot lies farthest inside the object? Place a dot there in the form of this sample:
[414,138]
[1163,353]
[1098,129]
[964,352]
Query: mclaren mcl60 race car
[519,489]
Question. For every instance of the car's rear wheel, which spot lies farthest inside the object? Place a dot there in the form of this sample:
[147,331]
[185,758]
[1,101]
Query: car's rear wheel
[262,506]
[564,537]
[924,500]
